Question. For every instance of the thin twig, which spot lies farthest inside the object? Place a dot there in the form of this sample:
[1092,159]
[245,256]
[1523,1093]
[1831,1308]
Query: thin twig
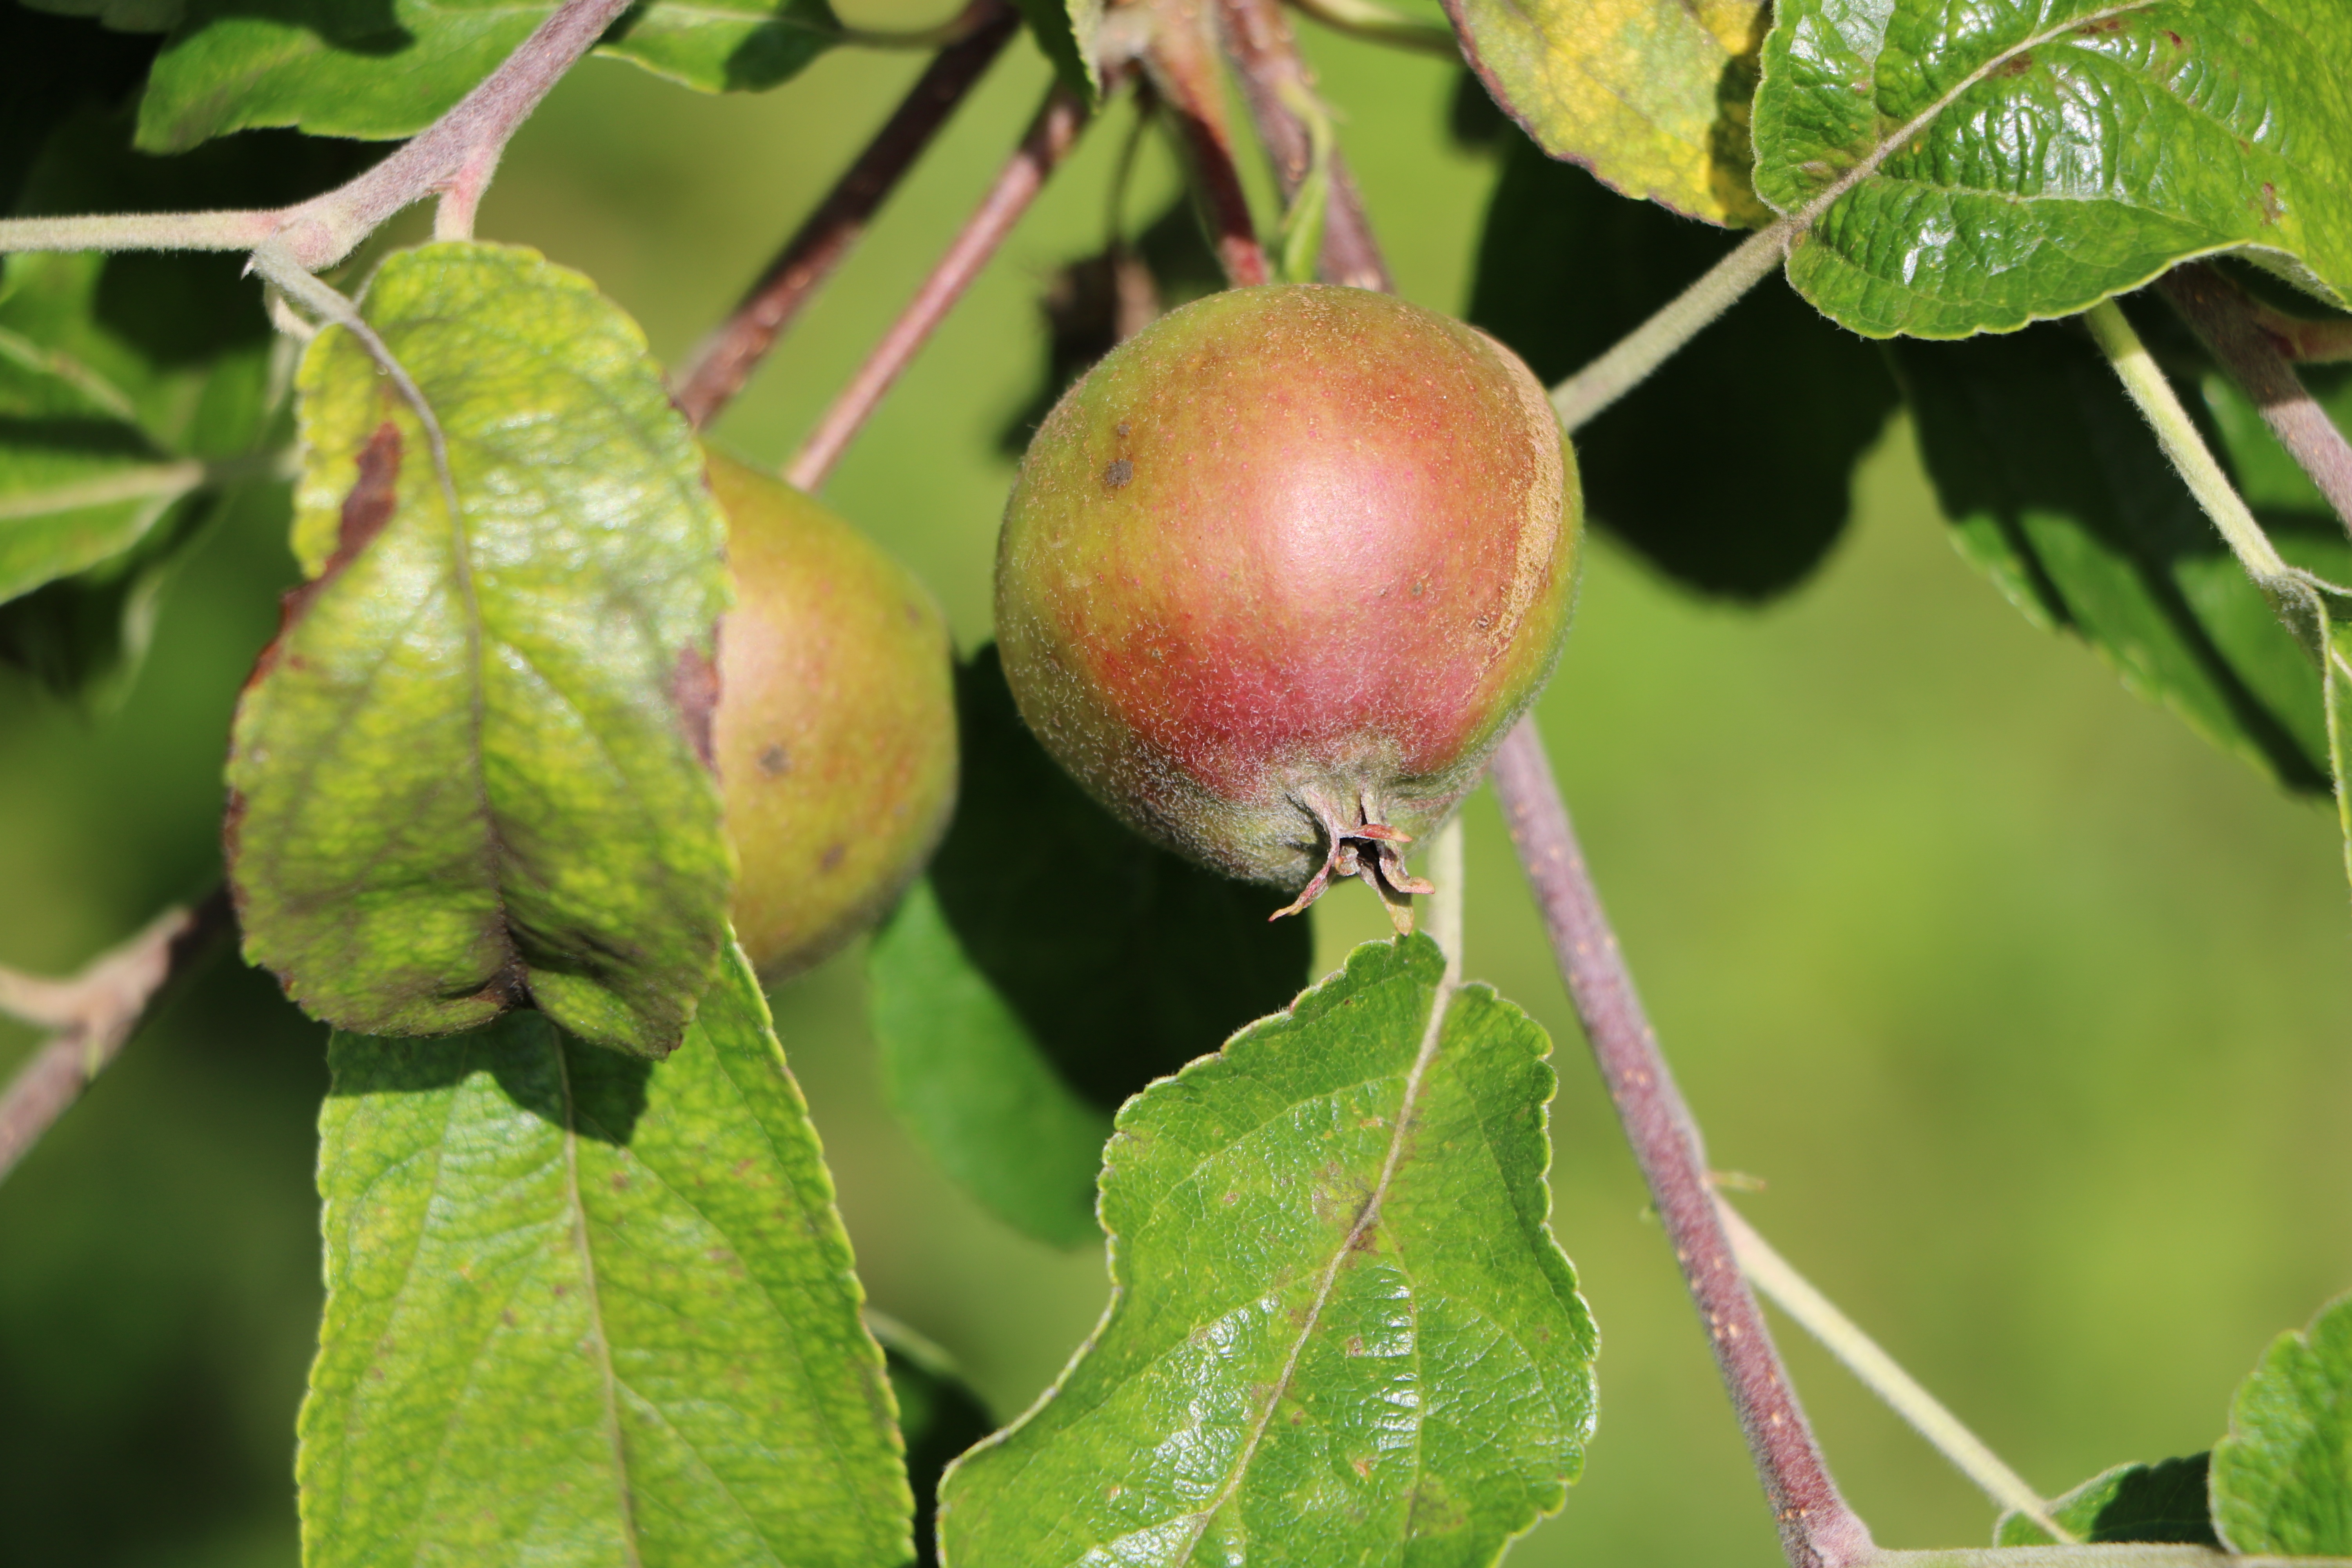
[727,357]
[1048,140]
[457,152]
[1266,57]
[1819,1316]
[2222,315]
[94,1014]
[1817,1529]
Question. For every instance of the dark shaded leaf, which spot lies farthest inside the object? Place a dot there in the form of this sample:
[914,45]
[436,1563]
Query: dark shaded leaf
[2158,1502]
[2057,489]
[1051,965]
[1731,468]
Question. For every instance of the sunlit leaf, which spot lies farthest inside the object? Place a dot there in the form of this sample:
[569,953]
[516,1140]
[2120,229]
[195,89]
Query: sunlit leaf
[472,771]
[1049,966]
[1650,95]
[584,1309]
[1340,1332]
[2056,489]
[2282,1477]
[383,68]
[1988,165]
[2163,1501]
[1781,401]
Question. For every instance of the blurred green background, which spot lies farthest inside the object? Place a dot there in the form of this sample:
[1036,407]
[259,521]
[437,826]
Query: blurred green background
[2029,1009]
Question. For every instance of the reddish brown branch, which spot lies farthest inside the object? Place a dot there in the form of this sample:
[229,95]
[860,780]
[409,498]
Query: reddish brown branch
[2233,328]
[1266,56]
[1817,1529]
[1050,137]
[727,357]
[94,1014]
[1182,60]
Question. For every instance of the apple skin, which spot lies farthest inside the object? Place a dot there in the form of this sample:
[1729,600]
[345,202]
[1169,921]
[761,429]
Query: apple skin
[1278,575]
[835,731]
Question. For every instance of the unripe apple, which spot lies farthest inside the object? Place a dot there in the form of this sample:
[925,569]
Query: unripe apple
[1280,572]
[836,734]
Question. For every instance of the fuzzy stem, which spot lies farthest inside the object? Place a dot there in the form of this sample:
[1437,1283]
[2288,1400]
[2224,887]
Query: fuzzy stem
[1879,1372]
[1629,361]
[729,355]
[94,1014]
[2287,589]
[1049,139]
[2225,320]
[457,152]
[1817,1529]
[1264,55]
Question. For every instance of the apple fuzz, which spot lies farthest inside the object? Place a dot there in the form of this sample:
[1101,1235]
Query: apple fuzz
[1280,574]
[836,731]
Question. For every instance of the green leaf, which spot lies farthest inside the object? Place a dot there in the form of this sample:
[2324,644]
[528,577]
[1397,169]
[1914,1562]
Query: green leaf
[117,374]
[472,769]
[1067,31]
[1650,95]
[584,1309]
[2163,1501]
[2282,1477]
[1050,965]
[1731,468]
[385,68]
[2056,489]
[1340,1329]
[1972,168]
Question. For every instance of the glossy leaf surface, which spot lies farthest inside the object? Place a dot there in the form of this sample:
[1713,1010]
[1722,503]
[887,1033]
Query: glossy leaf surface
[2057,490]
[2163,1501]
[584,1309]
[1340,1330]
[1782,402]
[2282,1477]
[1973,168]
[472,769]
[389,67]
[1650,95]
[1050,965]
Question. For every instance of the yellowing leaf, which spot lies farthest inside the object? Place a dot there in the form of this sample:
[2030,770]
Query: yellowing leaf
[1651,95]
